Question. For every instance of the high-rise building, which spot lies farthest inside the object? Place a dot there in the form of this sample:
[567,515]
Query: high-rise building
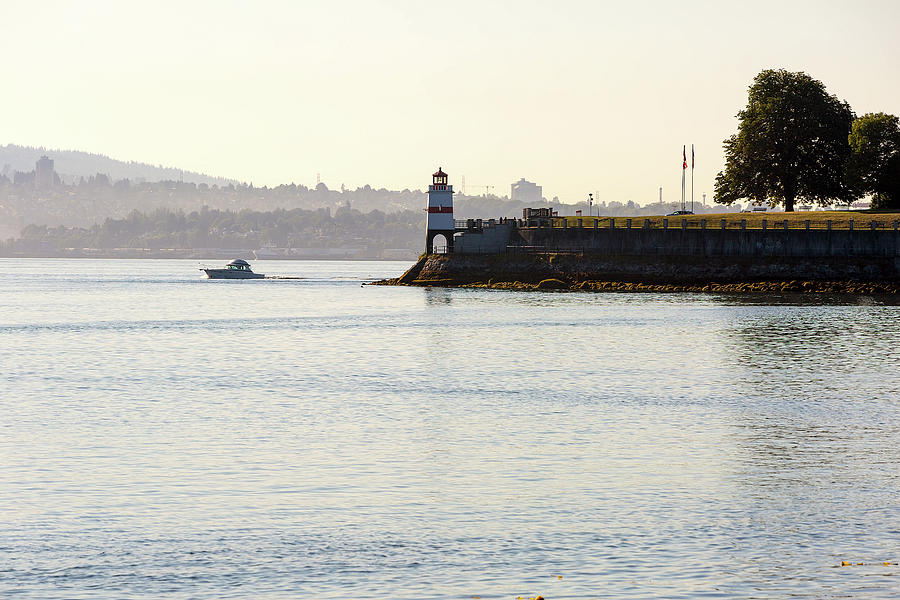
[43,173]
[527,192]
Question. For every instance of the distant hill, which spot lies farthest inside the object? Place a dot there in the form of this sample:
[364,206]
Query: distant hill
[92,188]
[71,165]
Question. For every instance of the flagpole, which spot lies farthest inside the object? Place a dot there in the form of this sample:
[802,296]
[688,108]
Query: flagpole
[692,178]
[683,168]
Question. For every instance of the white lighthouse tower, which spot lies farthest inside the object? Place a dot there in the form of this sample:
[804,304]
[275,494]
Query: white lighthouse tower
[440,212]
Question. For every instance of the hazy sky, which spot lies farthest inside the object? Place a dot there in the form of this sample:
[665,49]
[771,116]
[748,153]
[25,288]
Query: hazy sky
[578,96]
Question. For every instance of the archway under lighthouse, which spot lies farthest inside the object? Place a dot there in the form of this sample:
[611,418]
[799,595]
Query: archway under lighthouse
[439,242]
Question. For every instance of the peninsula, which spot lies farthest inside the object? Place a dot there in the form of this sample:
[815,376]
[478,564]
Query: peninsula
[821,251]
[773,256]
[776,158]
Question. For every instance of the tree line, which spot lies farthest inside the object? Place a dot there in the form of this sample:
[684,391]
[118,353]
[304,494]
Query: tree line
[97,197]
[795,141]
[213,228]
[94,198]
[81,205]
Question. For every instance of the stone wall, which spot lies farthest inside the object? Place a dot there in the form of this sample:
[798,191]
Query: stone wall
[470,268]
[747,243]
[674,256]
[671,255]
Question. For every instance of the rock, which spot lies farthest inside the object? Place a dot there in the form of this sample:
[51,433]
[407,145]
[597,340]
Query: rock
[552,284]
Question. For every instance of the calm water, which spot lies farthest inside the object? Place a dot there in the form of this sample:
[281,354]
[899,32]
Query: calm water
[166,436]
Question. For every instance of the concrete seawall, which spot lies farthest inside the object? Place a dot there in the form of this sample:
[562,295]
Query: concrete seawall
[749,243]
[674,256]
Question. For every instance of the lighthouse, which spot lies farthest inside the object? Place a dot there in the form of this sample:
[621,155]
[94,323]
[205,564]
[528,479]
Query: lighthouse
[440,212]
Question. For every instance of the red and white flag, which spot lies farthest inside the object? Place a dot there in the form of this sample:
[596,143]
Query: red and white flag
[684,157]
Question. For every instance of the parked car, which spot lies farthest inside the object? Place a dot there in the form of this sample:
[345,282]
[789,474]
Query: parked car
[680,212]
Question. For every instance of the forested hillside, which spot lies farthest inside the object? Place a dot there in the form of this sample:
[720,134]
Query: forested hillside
[96,198]
[112,210]
[72,165]
[357,234]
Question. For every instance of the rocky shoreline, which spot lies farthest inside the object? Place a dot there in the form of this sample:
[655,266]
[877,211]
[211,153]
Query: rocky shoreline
[760,287]
[583,275]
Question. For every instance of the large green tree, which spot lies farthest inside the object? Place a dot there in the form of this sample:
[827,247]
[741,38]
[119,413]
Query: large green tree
[791,144]
[874,165]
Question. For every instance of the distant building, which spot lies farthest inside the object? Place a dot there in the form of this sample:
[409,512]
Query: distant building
[525,191]
[43,173]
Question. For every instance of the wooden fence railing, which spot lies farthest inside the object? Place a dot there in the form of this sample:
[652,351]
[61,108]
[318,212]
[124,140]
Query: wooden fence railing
[750,222]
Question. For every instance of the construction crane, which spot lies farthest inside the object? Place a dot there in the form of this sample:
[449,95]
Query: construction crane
[462,187]
[487,188]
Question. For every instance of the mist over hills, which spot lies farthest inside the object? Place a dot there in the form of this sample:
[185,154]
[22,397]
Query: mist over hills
[85,189]
[86,196]
[71,165]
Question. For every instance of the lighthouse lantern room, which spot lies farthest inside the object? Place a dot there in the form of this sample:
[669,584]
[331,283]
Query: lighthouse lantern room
[440,212]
